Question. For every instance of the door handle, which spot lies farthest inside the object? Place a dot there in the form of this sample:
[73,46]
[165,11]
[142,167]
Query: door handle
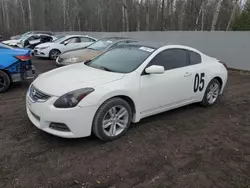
[187,74]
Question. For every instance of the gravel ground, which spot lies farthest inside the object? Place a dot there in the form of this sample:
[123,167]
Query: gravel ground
[188,147]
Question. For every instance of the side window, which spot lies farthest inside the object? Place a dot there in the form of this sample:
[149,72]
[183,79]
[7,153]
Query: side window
[73,40]
[85,39]
[171,59]
[195,58]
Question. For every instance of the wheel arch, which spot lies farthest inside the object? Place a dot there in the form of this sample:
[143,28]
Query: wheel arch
[126,98]
[55,49]
[7,72]
[220,80]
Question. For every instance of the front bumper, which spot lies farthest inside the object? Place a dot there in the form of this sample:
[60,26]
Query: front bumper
[78,120]
[40,53]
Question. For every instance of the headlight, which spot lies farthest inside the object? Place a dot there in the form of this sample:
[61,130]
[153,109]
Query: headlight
[71,99]
[72,60]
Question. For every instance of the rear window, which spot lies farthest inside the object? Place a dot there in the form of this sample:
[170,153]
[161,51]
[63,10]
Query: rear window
[195,58]
[123,59]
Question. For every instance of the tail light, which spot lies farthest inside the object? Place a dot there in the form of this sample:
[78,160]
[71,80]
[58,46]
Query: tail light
[225,65]
[23,57]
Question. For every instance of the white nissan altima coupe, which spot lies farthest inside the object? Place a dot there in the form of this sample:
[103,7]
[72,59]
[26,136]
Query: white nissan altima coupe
[103,96]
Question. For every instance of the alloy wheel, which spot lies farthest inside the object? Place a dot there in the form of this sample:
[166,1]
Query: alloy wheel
[213,93]
[115,121]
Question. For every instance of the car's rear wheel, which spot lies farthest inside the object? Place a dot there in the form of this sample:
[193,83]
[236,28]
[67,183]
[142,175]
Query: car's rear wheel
[4,81]
[53,54]
[212,93]
[112,119]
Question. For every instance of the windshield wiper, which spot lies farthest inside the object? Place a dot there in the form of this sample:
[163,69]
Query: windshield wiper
[106,69]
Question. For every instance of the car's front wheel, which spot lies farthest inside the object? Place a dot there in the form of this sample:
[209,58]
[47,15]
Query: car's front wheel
[53,54]
[212,93]
[112,119]
[4,81]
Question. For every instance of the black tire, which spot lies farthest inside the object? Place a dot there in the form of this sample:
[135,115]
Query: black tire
[52,52]
[97,128]
[4,81]
[205,101]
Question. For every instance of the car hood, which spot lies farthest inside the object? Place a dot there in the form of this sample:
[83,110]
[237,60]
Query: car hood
[63,80]
[82,54]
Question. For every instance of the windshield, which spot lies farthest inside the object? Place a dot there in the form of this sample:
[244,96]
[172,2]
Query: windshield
[100,45]
[123,59]
[5,46]
[60,39]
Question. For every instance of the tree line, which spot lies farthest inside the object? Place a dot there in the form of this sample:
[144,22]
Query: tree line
[18,16]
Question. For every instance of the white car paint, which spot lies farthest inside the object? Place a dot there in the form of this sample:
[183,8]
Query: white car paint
[151,94]
[43,50]
[11,42]
[20,42]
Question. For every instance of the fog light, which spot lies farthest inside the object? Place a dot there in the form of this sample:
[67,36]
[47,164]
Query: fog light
[59,127]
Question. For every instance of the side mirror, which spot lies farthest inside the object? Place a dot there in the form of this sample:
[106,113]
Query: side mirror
[155,69]
[66,42]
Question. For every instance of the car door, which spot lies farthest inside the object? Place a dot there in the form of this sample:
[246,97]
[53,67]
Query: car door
[171,89]
[199,76]
[71,44]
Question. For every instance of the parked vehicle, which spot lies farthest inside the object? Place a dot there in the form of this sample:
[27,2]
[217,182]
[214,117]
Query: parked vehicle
[30,41]
[123,85]
[70,42]
[17,37]
[15,66]
[91,51]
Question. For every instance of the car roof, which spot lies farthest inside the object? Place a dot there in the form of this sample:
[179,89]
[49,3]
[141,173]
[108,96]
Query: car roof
[114,39]
[157,45]
[154,45]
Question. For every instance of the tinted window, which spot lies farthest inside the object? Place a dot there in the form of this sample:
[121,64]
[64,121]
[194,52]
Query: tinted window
[85,39]
[195,58]
[101,44]
[117,44]
[171,59]
[123,59]
[73,40]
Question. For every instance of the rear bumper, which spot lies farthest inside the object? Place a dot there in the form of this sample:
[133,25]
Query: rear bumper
[29,74]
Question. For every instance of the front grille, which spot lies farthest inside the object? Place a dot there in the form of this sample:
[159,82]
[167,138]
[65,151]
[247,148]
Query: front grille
[37,95]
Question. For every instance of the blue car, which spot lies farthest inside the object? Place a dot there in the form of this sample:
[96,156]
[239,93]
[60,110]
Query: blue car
[15,66]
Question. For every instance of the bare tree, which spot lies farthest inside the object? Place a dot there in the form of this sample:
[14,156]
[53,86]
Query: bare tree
[30,14]
[201,14]
[23,13]
[18,16]
[235,2]
[216,14]
[125,15]
[64,4]
[138,23]
[162,14]
[147,15]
